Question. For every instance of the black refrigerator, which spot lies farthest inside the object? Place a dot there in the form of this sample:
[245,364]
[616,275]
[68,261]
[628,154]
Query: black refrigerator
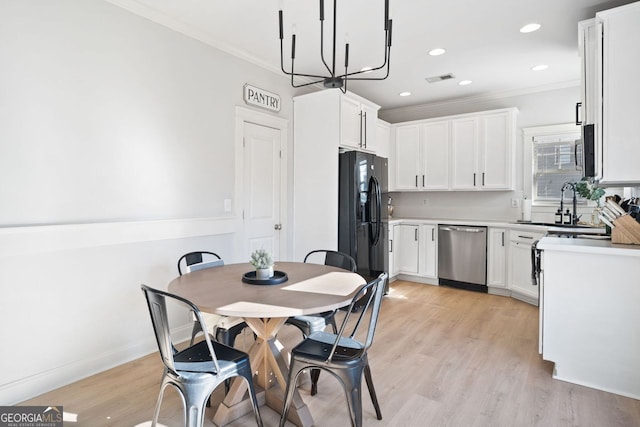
[362,212]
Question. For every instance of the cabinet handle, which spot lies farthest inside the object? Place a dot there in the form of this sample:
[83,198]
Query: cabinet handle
[433,234]
[526,237]
[578,106]
[360,129]
[423,180]
[415,234]
[503,238]
[474,179]
[365,129]
[390,245]
[483,179]
[416,181]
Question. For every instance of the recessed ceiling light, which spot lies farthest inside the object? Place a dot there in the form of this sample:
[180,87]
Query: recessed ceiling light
[405,93]
[540,67]
[437,51]
[465,82]
[529,28]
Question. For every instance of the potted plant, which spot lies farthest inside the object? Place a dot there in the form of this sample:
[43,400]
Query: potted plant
[262,261]
[588,188]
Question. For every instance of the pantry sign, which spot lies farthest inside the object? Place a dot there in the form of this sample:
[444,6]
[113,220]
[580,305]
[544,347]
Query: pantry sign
[261,98]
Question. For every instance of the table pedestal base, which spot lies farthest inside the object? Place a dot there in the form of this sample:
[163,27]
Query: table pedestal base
[271,376]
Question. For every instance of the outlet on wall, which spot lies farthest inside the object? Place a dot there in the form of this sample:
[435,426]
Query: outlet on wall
[515,203]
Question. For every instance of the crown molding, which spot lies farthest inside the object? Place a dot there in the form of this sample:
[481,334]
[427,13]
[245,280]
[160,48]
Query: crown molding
[485,97]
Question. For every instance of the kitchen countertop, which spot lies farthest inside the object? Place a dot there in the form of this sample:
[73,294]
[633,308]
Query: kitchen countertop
[582,245]
[475,223]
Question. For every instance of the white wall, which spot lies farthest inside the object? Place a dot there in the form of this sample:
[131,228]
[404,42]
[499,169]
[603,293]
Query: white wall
[116,154]
[535,109]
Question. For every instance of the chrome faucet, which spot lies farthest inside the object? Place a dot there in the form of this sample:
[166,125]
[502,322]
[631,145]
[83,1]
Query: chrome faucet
[574,216]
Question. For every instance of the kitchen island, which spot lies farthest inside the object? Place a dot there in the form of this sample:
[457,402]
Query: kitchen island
[590,313]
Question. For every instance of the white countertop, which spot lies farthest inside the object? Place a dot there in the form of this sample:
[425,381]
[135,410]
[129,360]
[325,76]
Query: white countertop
[605,247]
[475,223]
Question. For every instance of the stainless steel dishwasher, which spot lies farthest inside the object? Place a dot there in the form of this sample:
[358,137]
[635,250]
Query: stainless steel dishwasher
[462,257]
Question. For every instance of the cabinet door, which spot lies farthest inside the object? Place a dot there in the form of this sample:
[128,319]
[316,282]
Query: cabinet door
[350,123]
[383,138]
[428,251]
[497,142]
[407,256]
[435,156]
[464,152]
[393,241]
[497,258]
[620,88]
[407,151]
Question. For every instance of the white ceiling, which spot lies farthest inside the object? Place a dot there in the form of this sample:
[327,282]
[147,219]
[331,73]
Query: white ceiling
[482,40]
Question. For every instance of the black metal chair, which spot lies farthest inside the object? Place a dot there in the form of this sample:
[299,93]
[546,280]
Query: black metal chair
[197,370]
[309,324]
[317,322]
[223,328]
[344,356]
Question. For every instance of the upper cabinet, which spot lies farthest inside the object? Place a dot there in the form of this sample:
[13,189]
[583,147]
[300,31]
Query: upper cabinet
[358,122]
[610,87]
[466,153]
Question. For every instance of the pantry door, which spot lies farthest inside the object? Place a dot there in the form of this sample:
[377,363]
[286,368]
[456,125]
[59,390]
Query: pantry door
[262,182]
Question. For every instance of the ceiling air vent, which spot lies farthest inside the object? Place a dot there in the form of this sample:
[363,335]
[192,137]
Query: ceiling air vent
[441,78]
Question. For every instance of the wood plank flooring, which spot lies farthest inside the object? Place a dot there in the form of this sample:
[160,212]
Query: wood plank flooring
[441,357]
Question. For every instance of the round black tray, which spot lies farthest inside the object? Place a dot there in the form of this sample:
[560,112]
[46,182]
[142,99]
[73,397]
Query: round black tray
[278,277]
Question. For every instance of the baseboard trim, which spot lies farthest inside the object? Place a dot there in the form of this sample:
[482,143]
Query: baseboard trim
[43,382]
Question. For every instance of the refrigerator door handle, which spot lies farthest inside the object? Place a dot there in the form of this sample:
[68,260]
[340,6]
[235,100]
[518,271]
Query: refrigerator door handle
[375,200]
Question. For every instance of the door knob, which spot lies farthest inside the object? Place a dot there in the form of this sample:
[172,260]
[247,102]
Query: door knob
[278,227]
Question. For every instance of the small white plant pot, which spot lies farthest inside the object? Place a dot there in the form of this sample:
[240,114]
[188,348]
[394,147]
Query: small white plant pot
[264,273]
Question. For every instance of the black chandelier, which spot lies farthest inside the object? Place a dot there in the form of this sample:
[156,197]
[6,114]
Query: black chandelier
[334,80]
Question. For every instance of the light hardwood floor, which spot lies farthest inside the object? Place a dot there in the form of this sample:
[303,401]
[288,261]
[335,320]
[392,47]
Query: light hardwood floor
[441,357]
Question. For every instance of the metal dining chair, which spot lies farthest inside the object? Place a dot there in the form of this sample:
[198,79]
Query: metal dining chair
[342,355]
[197,370]
[317,322]
[224,328]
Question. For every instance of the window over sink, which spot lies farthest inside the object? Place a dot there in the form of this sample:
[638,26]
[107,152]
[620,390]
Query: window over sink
[551,153]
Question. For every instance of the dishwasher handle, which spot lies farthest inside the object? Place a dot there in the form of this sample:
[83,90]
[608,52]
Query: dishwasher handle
[463,229]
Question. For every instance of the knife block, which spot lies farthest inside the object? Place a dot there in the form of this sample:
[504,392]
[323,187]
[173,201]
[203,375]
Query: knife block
[627,231]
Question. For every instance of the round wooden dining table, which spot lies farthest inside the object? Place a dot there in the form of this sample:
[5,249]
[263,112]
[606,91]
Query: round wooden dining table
[309,289]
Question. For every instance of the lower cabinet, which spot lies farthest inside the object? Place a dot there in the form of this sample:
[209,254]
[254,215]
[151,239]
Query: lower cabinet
[428,260]
[520,283]
[497,257]
[415,250]
[407,248]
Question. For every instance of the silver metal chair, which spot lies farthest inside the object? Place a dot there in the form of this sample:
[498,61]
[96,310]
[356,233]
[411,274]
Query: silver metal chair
[344,356]
[224,329]
[318,322]
[197,370]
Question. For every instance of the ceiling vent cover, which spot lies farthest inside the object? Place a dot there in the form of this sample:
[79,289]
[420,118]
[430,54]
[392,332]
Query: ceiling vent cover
[441,78]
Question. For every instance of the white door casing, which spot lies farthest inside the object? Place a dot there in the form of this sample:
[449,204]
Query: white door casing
[261,181]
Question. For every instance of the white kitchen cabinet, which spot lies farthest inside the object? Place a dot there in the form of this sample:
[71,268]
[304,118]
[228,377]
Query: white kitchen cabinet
[587,45]
[393,264]
[407,157]
[469,152]
[407,247]
[520,283]
[497,257]
[358,122]
[483,149]
[428,251]
[464,153]
[617,88]
[422,156]
[383,139]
